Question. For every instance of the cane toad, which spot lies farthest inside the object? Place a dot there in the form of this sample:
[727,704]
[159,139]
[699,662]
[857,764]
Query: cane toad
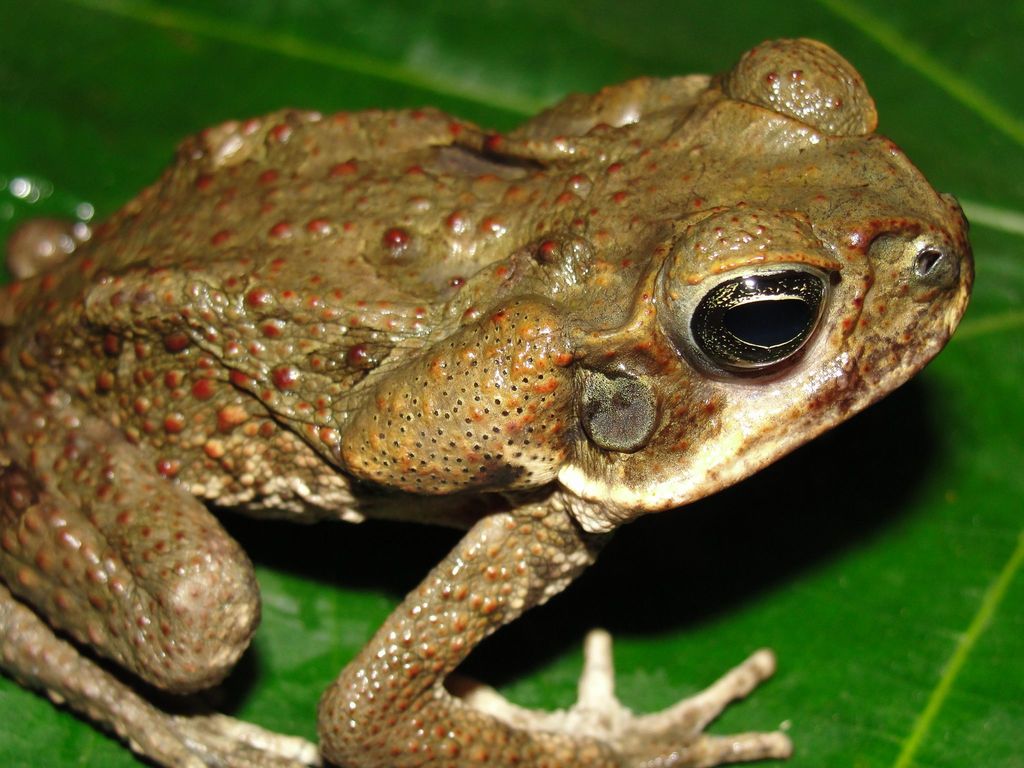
[629,302]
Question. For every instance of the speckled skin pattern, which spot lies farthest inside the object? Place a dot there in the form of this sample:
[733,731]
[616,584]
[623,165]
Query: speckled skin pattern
[396,314]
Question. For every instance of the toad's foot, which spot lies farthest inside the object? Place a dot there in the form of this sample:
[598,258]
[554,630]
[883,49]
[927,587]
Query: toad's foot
[673,737]
[221,741]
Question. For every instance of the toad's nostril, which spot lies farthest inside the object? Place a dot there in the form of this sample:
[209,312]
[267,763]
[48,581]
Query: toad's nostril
[926,261]
[935,268]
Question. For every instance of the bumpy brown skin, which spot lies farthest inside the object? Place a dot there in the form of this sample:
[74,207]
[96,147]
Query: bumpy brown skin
[317,317]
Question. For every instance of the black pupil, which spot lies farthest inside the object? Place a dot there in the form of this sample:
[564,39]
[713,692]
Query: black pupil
[751,323]
[768,323]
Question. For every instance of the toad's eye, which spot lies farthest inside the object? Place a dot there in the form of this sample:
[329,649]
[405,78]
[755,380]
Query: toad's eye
[754,322]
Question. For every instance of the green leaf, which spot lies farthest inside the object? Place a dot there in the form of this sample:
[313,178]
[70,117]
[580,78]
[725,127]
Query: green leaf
[882,563]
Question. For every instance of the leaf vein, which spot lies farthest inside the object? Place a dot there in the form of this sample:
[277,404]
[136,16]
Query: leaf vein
[994,217]
[1003,321]
[965,646]
[179,20]
[917,58]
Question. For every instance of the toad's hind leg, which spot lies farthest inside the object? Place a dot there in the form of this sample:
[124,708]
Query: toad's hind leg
[37,658]
[123,561]
[116,556]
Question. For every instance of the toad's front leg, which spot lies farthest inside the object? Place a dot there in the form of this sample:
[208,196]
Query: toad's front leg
[390,707]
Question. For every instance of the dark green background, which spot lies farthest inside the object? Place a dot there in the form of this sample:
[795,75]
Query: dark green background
[883,562]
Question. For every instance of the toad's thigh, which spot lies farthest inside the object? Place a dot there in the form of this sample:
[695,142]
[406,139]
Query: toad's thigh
[115,555]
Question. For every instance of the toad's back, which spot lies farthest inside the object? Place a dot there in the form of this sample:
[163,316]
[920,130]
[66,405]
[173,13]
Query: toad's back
[281,256]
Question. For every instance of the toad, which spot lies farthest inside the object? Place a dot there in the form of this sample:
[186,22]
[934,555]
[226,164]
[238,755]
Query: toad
[628,303]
